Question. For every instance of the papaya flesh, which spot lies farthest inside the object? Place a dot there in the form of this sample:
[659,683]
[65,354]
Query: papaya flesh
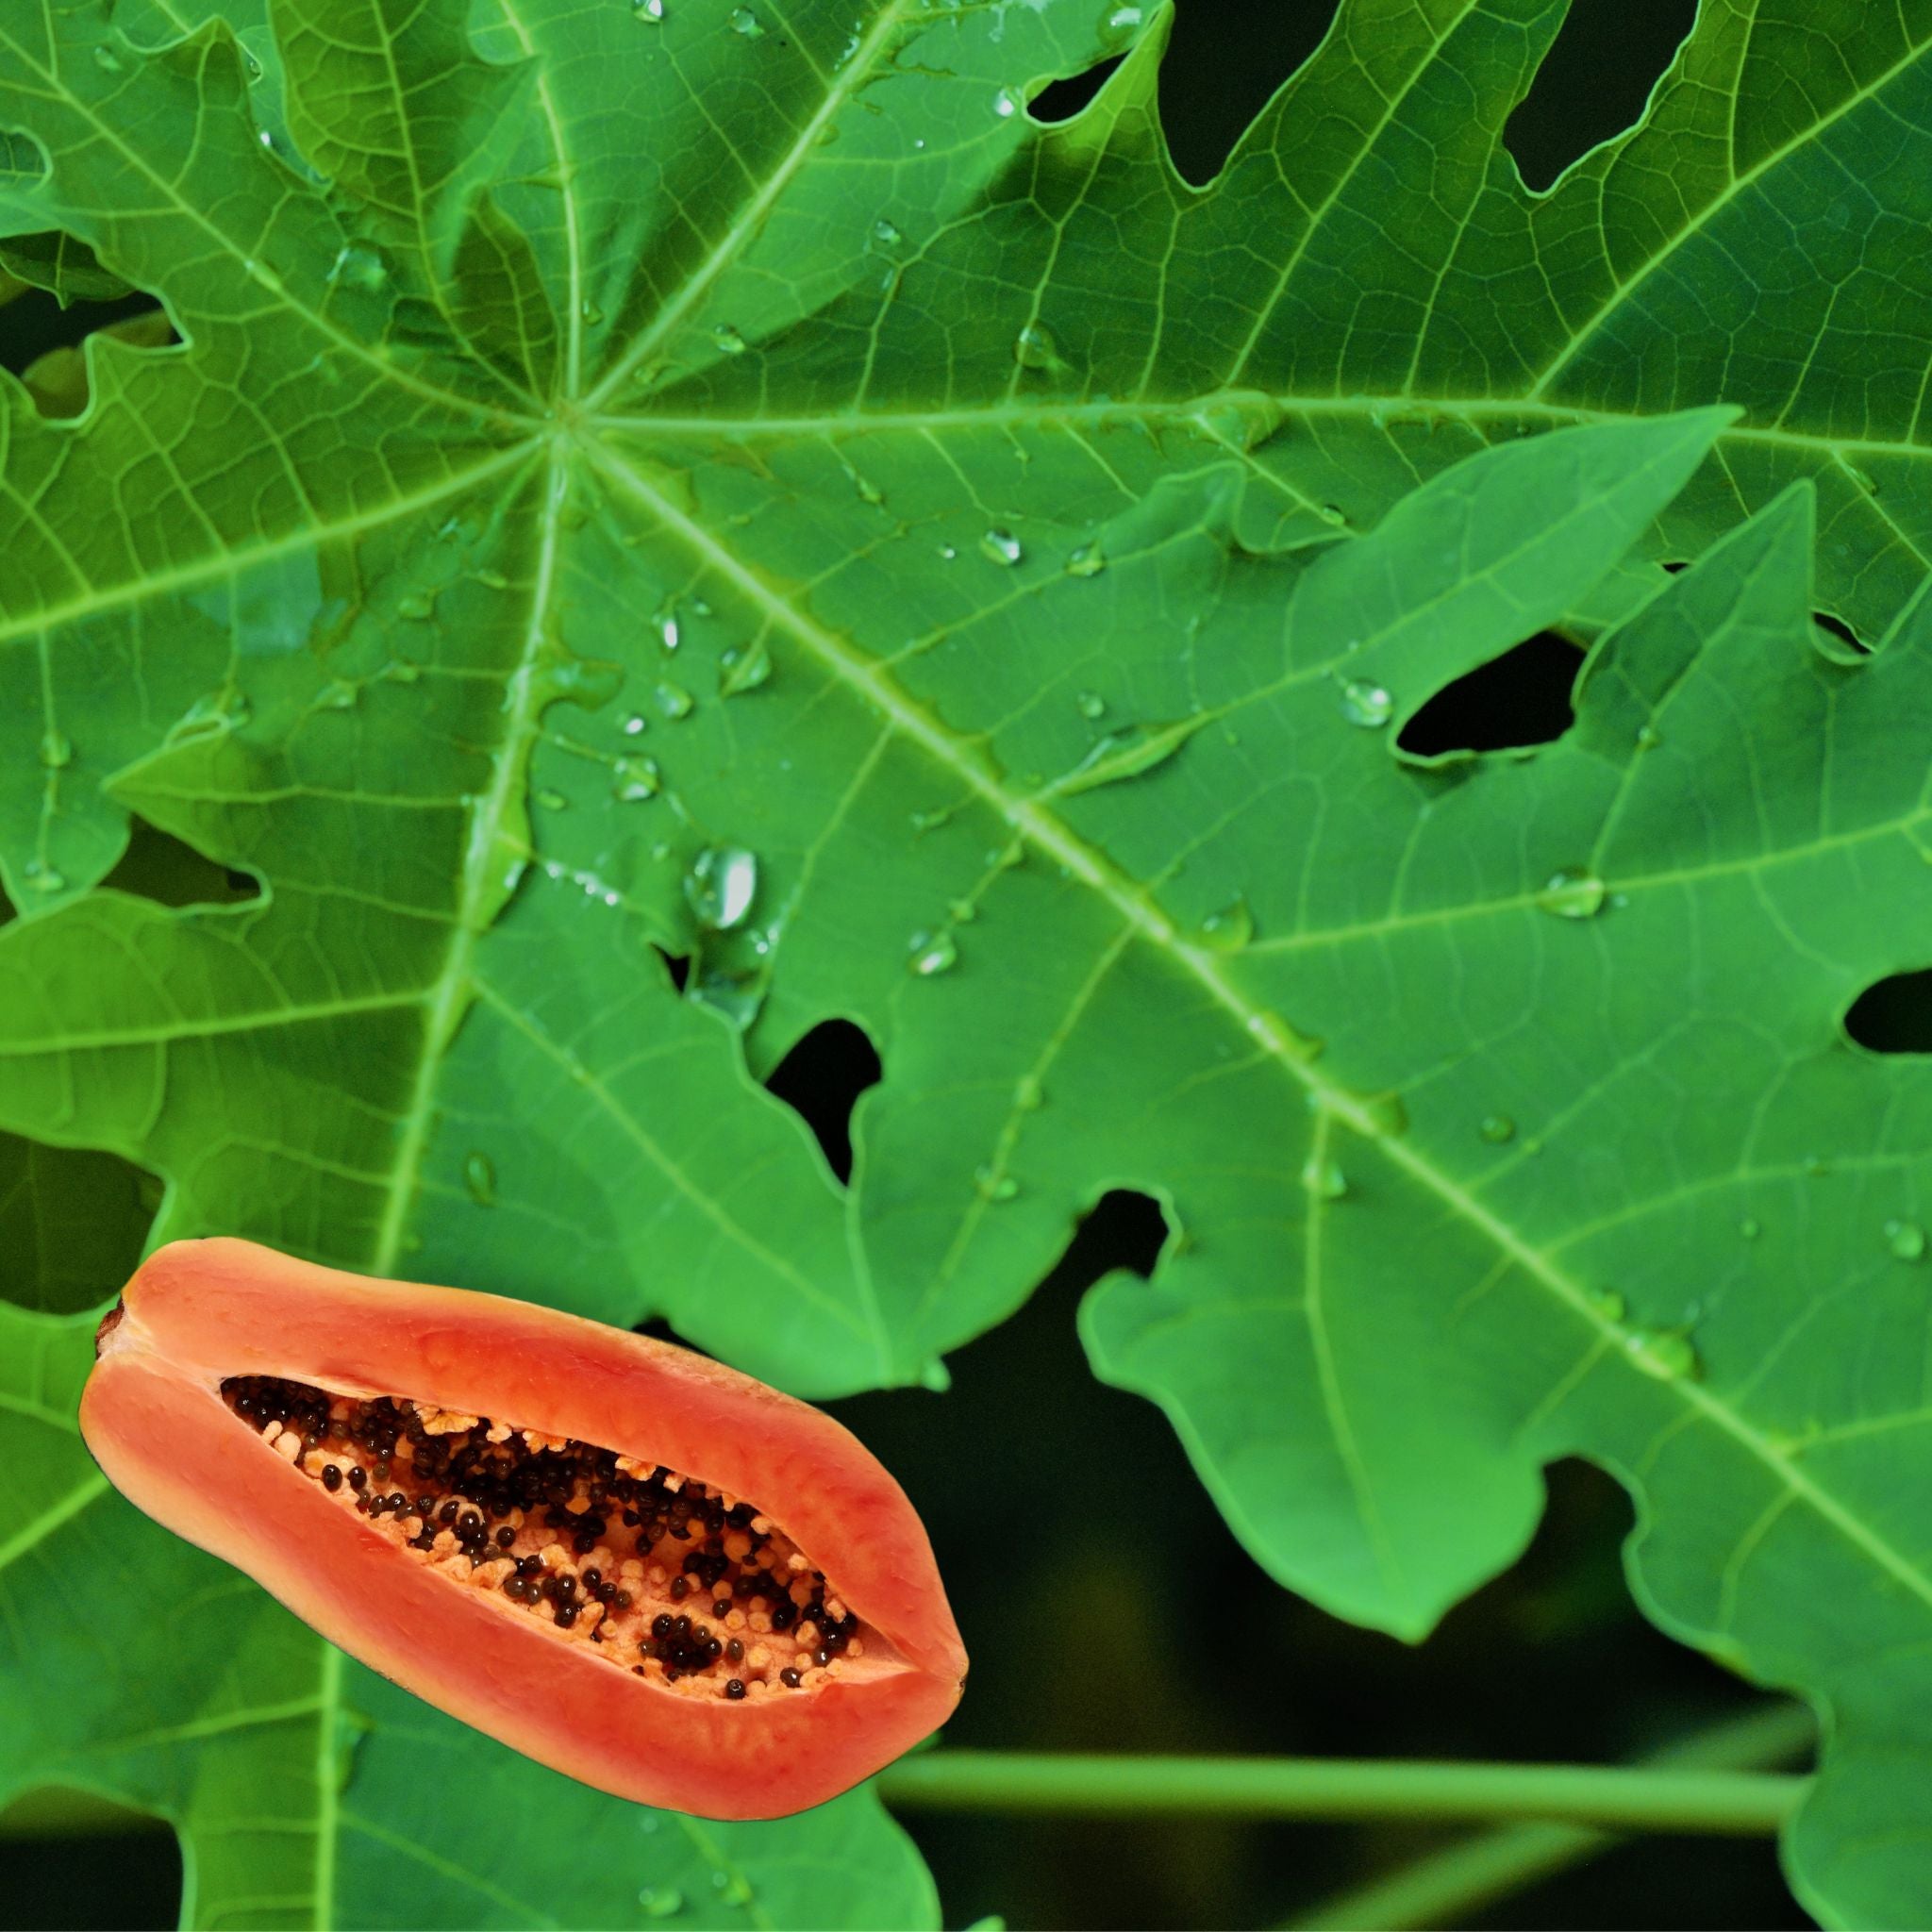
[625,1560]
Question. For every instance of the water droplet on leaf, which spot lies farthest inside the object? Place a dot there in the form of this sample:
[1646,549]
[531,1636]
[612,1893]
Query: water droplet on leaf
[479,1176]
[1366,704]
[552,801]
[1230,930]
[1325,1179]
[41,878]
[1087,561]
[1033,347]
[635,780]
[720,885]
[744,669]
[416,608]
[650,11]
[1572,893]
[885,233]
[635,725]
[993,1185]
[1092,705]
[107,60]
[673,701]
[1498,1127]
[1905,1239]
[660,1902]
[56,750]
[728,341]
[932,954]
[1006,104]
[1665,1353]
[1001,546]
[743,21]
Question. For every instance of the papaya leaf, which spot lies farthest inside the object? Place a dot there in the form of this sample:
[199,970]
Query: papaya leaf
[668,522]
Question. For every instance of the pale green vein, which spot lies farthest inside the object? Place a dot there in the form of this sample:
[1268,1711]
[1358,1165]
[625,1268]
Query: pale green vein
[36,1529]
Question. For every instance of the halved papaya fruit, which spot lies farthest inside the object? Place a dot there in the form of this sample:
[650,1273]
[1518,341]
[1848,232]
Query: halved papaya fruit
[627,1560]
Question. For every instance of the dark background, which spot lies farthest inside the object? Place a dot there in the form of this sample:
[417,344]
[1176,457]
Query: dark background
[1106,1606]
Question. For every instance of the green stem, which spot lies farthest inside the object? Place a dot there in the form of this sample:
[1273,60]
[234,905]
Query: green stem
[1449,1887]
[1741,1803]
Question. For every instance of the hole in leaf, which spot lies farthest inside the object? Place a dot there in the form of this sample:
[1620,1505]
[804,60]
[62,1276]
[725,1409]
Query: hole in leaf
[72,1220]
[128,1876]
[42,342]
[677,965]
[1520,698]
[1894,1015]
[1063,99]
[1222,67]
[1125,1228]
[1594,82]
[1846,642]
[822,1078]
[159,866]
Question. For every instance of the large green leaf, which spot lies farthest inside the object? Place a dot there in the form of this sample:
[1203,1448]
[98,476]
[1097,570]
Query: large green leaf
[724,481]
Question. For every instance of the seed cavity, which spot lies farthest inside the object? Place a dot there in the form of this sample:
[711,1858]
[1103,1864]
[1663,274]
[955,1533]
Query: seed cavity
[671,1579]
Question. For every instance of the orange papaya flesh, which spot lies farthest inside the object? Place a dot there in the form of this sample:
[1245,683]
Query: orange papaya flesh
[629,1562]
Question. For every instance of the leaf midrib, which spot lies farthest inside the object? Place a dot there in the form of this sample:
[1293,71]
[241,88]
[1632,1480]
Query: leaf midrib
[1098,875]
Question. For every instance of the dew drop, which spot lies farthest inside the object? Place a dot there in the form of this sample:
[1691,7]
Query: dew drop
[1123,20]
[1087,561]
[885,233]
[591,314]
[416,608]
[933,953]
[947,553]
[650,11]
[1665,1353]
[720,885]
[1034,348]
[1006,104]
[728,341]
[674,700]
[1905,1239]
[552,801]
[744,669]
[107,60]
[1606,1303]
[635,725]
[1230,930]
[1648,738]
[1498,1127]
[1572,893]
[660,1902]
[1028,1095]
[41,878]
[665,623]
[1092,705]
[480,1177]
[56,750]
[993,1185]
[1365,704]
[635,780]
[1325,1179]
[743,21]
[1332,514]
[1001,547]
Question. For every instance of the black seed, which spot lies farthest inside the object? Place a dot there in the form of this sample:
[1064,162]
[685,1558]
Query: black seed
[784,1615]
[735,1689]
[506,1537]
[592,1577]
[331,1477]
[721,1610]
[734,1651]
[566,1615]
[623,1599]
[661,1626]
[791,1678]
[679,1590]
[822,1658]
[359,1477]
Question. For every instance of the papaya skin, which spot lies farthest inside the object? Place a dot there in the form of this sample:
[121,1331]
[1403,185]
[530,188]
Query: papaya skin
[155,1419]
